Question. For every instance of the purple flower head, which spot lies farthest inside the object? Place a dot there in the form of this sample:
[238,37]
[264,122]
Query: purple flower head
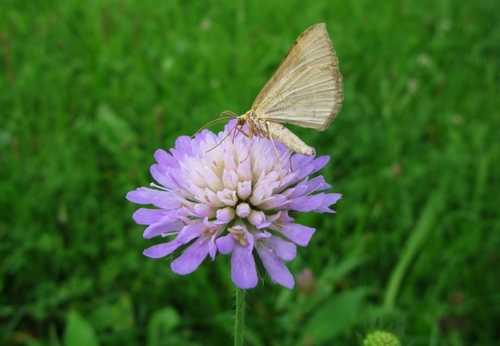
[232,195]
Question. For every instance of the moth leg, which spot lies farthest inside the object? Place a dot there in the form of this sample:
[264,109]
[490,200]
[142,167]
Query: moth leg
[270,137]
[239,128]
[223,139]
[250,136]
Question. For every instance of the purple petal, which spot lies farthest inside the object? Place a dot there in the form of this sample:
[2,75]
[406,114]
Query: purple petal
[212,248]
[284,249]
[311,166]
[295,192]
[289,178]
[165,160]
[277,270]
[273,202]
[302,165]
[244,171]
[260,193]
[161,250]
[304,172]
[225,244]
[317,184]
[210,179]
[191,259]
[299,160]
[244,189]
[182,148]
[225,215]
[228,197]
[306,203]
[329,199]
[161,175]
[243,210]
[320,162]
[231,123]
[144,216]
[299,234]
[163,228]
[166,200]
[203,210]
[213,198]
[258,219]
[206,142]
[190,232]
[230,179]
[142,195]
[243,270]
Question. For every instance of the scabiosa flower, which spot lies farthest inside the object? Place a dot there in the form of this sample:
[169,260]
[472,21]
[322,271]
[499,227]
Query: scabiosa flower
[230,194]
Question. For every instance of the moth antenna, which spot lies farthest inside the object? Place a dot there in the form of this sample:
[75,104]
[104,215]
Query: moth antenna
[230,114]
[213,122]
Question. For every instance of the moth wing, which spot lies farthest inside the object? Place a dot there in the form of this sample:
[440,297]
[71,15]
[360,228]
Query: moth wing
[306,90]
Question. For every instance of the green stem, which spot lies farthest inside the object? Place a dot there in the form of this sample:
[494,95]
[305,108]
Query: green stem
[239,317]
[415,243]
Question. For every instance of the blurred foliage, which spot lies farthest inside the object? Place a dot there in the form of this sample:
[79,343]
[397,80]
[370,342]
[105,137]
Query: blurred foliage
[91,89]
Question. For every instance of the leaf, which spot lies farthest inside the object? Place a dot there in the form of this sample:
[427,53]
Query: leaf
[334,316]
[161,326]
[79,331]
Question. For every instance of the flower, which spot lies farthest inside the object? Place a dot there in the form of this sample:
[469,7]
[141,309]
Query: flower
[230,194]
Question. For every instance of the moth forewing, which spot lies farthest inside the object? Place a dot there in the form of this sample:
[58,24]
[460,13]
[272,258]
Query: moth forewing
[306,90]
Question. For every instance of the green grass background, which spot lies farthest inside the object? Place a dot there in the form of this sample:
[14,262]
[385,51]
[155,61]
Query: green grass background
[89,90]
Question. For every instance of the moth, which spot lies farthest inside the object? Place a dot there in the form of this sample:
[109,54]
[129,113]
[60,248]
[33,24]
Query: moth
[306,90]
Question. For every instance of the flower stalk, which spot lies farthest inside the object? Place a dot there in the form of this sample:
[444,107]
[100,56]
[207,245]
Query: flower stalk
[239,316]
